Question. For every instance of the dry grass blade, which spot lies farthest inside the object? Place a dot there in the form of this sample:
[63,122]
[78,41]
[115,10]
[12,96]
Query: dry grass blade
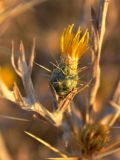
[47,145]
[116,96]
[71,158]
[22,52]
[102,21]
[117,114]
[14,118]
[46,69]
[32,57]
[112,146]
[107,154]
[55,96]
[115,102]
[18,95]
[13,60]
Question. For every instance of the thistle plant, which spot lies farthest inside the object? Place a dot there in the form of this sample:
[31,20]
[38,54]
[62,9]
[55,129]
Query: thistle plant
[85,138]
[64,77]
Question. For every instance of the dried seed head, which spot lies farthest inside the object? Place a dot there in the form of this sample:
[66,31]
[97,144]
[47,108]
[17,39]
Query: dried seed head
[64,77]
[93,138]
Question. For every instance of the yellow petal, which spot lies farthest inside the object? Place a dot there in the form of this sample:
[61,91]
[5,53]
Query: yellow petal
[72,45]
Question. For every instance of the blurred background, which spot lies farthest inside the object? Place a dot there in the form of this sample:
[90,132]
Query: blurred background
[45,21]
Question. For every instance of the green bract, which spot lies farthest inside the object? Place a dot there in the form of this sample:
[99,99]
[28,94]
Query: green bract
[64,79]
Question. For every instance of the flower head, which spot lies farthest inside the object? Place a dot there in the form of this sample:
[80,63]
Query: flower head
[93,138]
[64,78]
[73,45]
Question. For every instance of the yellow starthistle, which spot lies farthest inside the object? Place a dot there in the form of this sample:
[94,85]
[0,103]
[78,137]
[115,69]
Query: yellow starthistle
[65,77]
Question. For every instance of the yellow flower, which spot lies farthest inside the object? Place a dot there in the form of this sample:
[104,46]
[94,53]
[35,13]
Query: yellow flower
[65,76]
[7,75]
[73,45]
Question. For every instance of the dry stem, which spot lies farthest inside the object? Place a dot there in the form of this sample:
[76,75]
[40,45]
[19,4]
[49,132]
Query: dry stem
[116,104]
[98,27]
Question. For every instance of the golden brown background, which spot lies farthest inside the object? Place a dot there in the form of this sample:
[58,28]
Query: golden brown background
[46,21]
